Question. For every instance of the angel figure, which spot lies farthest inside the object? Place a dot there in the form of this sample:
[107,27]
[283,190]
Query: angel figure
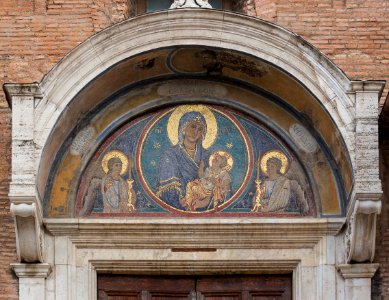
[277,190]
[117,193]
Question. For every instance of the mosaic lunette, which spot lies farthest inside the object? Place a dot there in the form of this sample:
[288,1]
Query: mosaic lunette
[193,160]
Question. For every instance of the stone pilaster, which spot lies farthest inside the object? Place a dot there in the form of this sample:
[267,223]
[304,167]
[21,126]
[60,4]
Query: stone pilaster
[32,283]
[365,202]
[25,206]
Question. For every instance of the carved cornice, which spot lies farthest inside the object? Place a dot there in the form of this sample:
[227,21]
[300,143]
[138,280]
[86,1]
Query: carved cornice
[194,233]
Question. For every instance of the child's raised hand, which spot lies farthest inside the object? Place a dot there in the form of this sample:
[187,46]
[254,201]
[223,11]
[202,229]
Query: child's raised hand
[201,169]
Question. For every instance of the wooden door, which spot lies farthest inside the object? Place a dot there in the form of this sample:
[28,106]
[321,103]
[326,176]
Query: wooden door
[144,287]
[112,287]
[244,287]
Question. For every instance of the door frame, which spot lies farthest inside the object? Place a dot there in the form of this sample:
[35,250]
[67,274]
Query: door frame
[80,249]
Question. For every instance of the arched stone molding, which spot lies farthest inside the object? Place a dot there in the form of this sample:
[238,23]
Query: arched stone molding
[210,28]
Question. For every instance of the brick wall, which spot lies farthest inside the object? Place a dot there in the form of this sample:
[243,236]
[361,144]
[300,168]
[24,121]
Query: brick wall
[8,281]
[36,34]
[352,33]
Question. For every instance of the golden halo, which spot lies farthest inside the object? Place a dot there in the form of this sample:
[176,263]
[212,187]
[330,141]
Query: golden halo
[230,160]
[277,154]
[118,154]
[174,121]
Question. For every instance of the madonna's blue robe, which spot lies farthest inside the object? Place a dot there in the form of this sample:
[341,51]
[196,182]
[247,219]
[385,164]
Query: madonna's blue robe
[177,168]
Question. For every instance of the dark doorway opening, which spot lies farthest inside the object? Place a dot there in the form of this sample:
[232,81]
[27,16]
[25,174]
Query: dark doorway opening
[266,287]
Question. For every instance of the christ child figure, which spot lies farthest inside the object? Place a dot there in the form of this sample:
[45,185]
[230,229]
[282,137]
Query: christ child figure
[213,185]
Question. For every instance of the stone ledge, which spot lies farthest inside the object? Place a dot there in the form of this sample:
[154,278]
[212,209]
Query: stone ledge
[187,267]
[216,233]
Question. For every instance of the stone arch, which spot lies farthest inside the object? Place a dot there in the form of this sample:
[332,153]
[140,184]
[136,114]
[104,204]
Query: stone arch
[226,30]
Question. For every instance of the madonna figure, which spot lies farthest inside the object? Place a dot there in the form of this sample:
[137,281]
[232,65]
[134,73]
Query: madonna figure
[183,162]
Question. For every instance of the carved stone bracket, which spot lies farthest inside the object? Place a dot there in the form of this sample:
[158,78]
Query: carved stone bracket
[361,231]
[29,238]
[190,3]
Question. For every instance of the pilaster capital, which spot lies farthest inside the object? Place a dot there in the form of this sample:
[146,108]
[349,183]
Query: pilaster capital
[367,86]
[367,95]
[349,271]
[22,90]
[31,270]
